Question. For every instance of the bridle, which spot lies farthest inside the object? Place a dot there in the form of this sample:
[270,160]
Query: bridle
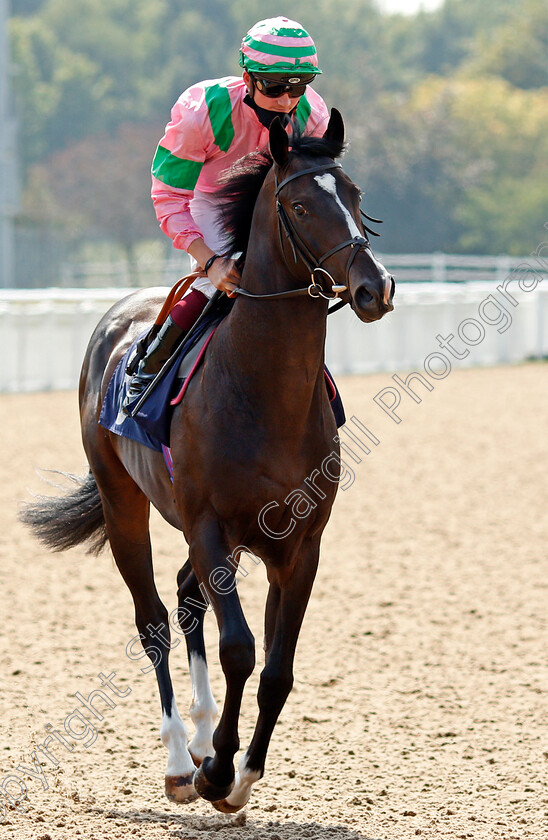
[300,249]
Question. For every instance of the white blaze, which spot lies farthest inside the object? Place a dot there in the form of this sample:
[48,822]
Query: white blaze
[327,182]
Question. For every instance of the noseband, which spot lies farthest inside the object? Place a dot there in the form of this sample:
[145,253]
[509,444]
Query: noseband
[300,249]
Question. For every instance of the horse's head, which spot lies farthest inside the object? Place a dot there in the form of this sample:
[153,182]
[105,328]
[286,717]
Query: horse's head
[321,230]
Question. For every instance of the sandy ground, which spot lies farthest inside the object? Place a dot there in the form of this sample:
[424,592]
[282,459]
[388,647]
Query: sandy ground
[419,705]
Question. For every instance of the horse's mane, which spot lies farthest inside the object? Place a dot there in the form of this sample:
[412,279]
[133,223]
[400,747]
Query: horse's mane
[241,184]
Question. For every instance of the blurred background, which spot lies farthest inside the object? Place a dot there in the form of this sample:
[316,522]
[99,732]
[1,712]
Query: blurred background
[445,105]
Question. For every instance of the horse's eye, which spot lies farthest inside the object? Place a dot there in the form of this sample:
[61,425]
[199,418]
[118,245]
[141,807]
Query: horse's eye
[299,210]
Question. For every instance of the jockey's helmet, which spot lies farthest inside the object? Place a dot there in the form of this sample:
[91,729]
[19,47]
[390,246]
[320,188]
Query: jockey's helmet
[279,46]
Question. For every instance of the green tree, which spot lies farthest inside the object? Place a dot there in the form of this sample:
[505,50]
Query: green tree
[446,35]
[86,67]
[25,7]
[444,110]
[517,50]
[99,187]
[459,165]
[504,201]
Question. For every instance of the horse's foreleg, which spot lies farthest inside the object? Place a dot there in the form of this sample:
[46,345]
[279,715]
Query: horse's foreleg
[203,709]
[126,511]
[286,606]
[215,776]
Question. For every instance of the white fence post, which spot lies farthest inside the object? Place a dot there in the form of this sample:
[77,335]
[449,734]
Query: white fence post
[439,267]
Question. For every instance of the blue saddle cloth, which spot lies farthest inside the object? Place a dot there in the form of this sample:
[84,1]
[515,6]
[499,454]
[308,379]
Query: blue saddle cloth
[151,425]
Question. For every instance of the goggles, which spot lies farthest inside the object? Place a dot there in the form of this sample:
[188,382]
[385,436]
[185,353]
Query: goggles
[295,86]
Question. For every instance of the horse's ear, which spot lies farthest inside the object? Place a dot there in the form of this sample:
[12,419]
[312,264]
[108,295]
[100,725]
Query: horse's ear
[335,128]
[279,142]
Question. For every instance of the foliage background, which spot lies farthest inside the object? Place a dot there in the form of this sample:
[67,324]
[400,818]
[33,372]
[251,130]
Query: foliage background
[446,111]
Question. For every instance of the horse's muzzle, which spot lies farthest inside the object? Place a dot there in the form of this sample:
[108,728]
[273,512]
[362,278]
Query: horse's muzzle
[371,301]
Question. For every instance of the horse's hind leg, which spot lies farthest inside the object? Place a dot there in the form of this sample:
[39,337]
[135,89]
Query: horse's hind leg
[285,611]
[126,511]
[203,709]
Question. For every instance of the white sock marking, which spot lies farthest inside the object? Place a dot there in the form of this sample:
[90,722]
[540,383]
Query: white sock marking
[203,709]
[327,182]
[245,778]
[174,735]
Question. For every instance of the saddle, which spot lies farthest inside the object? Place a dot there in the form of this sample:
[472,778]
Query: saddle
[151,424]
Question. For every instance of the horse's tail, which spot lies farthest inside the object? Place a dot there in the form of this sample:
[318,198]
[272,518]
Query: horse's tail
[62,522]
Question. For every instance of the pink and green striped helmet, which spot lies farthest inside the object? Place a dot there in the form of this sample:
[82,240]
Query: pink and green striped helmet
[279,45]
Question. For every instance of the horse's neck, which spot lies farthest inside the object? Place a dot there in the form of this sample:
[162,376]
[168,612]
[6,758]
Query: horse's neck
[287,335]
[275,349]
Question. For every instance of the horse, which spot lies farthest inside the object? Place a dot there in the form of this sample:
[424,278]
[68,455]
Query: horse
[248,442]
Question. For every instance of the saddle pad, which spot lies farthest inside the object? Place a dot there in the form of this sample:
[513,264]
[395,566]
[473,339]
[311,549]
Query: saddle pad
[335,399]
[151,425]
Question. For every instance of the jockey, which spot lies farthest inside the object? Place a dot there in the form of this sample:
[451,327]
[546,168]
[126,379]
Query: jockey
[213,124]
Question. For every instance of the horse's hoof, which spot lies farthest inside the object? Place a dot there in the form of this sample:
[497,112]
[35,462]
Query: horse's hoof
[225,807]
[181,789]
[207,790]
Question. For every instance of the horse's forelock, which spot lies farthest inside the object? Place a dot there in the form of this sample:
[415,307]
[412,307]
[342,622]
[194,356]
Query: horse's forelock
[308,144]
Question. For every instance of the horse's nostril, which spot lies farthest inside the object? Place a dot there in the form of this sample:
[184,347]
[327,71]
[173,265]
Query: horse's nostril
[363,298]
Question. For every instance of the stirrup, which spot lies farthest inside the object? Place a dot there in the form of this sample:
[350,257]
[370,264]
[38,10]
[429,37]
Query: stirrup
[138,385]
[141,349]
[167,338]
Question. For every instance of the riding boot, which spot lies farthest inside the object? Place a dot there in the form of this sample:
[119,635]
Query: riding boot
[150,365]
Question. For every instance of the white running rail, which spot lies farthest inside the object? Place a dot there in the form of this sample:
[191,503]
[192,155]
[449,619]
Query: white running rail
[44,333]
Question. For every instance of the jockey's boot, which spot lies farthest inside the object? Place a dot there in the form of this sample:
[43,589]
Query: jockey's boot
[154,359]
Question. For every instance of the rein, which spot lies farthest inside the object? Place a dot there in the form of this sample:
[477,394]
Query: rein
[300,249]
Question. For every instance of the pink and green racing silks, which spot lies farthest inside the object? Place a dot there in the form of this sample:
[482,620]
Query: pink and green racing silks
[211,128]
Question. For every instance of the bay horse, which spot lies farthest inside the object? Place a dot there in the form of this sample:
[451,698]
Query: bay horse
[255,423]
